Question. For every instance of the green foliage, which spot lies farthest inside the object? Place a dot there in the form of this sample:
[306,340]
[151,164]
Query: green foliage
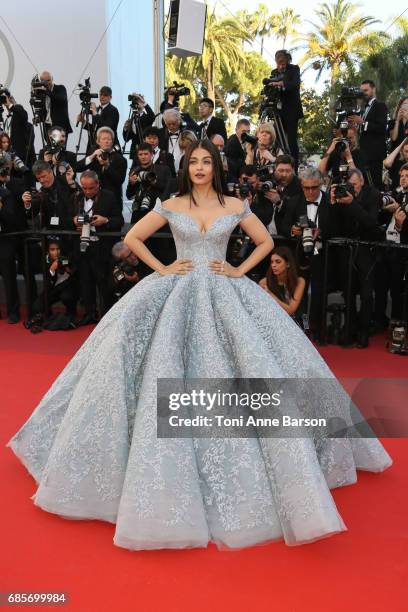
[315,128]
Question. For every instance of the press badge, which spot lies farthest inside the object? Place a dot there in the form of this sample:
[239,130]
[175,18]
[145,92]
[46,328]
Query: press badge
[54,221]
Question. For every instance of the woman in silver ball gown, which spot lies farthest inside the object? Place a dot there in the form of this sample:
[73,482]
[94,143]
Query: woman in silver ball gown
[92,446]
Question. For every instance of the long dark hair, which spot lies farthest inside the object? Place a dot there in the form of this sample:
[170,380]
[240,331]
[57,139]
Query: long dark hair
[291,272]
[219,183]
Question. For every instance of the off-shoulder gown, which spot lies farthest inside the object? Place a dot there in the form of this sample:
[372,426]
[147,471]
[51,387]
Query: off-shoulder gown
[92,446]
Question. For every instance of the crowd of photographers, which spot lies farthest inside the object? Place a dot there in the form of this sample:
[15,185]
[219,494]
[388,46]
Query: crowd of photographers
[78,199]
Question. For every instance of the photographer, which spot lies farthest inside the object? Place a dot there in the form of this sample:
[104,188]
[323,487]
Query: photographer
[288,183]
[235,149]
[141,117]
[289,86]
[18,169]
[395,160]
[209,124]
[95,211]
[108,163]
[263,149]
[11,220]
[18,128]
[52,202]
[105,114]
[56,103]
[356,207]
[170,135]
[373,131]
[151,135]
[147,182]
[390,265]
[61,287]
[55,152]
[309,218]
[399,130]
[342,150]
[124,274]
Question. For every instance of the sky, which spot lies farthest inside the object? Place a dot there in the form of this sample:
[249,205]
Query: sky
[384,11]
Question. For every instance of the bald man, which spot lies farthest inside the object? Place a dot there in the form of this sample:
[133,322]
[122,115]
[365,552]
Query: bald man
[56,103]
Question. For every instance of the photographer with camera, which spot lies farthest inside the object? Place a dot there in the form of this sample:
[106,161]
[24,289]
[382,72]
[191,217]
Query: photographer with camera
[108,163]
[356,206]
[55,111]
[399,125]
[262,149]
[61,287]
[141,116]
[18,169]
[147,182]
[151,135]
[235,149]
[343,149]
[372,124]
[288,183]
[286,78]
[309,218]
[53,201]
[12,219]
[390,264]
[17,127]
[105,114]
[395,160]
[125,269]
[55,152]
[96,210]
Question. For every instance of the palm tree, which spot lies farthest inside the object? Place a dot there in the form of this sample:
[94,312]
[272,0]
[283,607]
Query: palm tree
[285,24]
[263,23]
[339,39]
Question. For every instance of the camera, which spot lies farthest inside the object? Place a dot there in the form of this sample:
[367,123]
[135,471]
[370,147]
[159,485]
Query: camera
[4,94]
[146,196]
[245,137]
[121,269]
[4,166]
[177,90]
[347,103]
[84,219]
[272,95]
[307,226]
[85,94]
[341,145]
[266,178]
[135,100]
[342,187]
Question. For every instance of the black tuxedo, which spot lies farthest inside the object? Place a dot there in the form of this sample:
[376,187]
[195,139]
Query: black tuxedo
[53,204]
[264,209]
[291,110]
[59,107]
[19,131]
[110,178]
[373,134]
[166,159]
[215,126]
[67,156]
[93,264]
[10,220]
[107,117]
[146,120]
[235,156]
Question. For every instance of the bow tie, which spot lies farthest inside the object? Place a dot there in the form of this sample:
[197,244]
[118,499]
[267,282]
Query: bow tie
[172,134]
[314,203]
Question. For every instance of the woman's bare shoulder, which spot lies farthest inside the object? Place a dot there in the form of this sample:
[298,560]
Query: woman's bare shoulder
[234,205]
[175,204]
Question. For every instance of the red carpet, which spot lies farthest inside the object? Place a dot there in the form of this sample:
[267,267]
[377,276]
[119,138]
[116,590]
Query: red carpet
[363,569]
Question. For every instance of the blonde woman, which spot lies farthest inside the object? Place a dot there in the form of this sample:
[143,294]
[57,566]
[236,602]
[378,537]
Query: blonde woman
[266,149]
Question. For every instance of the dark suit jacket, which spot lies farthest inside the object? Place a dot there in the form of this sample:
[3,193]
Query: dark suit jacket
[108,117]
[263,209]
[54,202]
[359,219]
[163,174]
[146,120]
[373,133]
[59,107]
[19,130]
[216,126]
[291,102]
[68,156]
[110,179]
[297,206]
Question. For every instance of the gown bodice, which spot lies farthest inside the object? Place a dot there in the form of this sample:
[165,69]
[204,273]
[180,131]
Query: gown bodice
[202,247]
